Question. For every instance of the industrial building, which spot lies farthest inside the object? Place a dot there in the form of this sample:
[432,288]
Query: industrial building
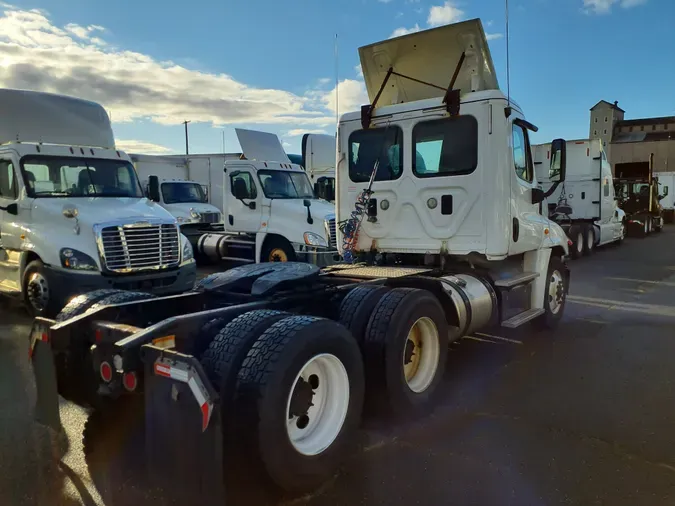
[629,142]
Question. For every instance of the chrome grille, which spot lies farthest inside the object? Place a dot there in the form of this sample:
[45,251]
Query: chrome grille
[331,231]
[135,248]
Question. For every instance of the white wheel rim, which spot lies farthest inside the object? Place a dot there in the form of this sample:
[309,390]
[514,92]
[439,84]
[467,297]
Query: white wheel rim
[622,231]
[580,243]
[646,227]
[324,412]
[421,355]
[590,241]
[38,291]
[556,292]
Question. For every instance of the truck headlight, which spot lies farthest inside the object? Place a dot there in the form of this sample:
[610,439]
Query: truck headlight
[76,260]
[194,214]
[312,239]
[188,254]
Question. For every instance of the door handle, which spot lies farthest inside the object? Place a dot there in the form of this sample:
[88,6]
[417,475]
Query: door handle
[516,229]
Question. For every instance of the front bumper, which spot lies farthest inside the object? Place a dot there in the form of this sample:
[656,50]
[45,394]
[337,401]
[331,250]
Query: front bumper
[322,257]
[67,283]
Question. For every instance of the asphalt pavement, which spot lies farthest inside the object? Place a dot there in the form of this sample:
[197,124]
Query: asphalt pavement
[584,415]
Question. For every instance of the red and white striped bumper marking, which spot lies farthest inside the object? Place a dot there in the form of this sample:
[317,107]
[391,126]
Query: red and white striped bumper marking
[40,335]
[198,391]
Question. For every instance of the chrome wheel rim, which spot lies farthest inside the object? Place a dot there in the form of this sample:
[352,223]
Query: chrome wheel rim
[590,241]
[38,291]
[556,292]
[580,243]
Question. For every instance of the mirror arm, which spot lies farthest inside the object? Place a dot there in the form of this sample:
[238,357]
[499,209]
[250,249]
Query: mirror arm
[552,189]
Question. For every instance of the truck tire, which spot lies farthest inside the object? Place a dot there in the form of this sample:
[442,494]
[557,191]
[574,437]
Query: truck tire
[357,307]
[576,235]
[81,303]
[650,225]
[231,342]
[38,296]
[555,296]
[296,444]
[206,334]
[121,298]
[659,224]
[589,239]
[277,249]
[399,377]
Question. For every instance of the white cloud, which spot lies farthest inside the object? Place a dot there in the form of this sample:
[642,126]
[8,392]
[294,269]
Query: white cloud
[358,70]
[297,132]
[324,80]
[286,145]
[605,6]
[384,1]
[404,31]
[352,95]
[493,36]
[142,147]
[489,23]
[444,14]
[35,54]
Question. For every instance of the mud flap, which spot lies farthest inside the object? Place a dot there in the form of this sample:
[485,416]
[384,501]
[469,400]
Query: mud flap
[184,443]
[44,370]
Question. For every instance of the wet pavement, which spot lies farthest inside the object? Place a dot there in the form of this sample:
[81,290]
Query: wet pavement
[583,416]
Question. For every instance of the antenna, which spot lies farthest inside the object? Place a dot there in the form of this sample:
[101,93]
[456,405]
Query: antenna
[337,87]
[223,141]
[508,66]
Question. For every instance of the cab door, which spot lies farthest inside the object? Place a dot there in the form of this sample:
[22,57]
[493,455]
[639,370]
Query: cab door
[243,211]
[10,229]
[527,224]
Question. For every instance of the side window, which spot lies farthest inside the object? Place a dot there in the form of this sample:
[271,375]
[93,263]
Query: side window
[521,154]
[446,147]
[7,180]
[382,145]
[243,186]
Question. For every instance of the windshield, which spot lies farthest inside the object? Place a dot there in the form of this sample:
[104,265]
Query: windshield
[56,176]
[279,184]
[183,193]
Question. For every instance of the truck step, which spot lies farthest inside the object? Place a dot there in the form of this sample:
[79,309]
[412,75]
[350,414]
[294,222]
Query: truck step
[9,265]
[520,279]
[237,259]
[522,318]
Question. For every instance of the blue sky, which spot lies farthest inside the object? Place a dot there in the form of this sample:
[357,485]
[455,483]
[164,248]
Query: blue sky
[270,65]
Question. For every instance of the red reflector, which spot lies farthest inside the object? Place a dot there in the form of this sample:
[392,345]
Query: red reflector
[106,372]
[45,337]
[569,243]
[579,142]
[205,416]
[99,335]
[130,381]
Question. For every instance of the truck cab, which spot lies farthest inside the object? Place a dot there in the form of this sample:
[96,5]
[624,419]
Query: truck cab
[271,213]
[318,159]
[438,169]
[73,216]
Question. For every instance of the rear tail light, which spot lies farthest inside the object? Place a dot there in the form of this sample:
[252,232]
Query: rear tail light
[106,372]
[130,381]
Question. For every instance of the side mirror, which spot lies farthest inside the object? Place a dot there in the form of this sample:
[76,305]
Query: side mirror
[306,203]
[12,209]
[538,195]
[153,188]
[557,168]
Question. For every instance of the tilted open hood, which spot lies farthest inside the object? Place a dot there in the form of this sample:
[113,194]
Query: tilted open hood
[430,56]
[261,146]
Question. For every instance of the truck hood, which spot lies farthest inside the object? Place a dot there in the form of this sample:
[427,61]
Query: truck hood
[183,210]
[291,215]
[92,211]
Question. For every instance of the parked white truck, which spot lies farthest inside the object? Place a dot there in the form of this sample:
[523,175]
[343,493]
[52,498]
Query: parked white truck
[318,159]
[73,217]
[270,210]
[585,205]
[167,181]
[262,372]
[667,189]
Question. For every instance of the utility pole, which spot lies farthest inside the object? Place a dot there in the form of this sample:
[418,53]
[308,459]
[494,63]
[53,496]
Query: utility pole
[187,151]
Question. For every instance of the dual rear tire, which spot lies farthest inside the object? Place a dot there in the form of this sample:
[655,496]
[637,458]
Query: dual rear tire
[292,387]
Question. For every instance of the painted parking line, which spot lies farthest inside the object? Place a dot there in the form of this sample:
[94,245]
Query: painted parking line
[475,338]
[641,281]
[514,341]
[652,309]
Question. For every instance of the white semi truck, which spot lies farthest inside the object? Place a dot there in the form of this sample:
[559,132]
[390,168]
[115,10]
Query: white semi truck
[270,210]
[318,159]
[171,182]
[667,190]
[585,206]
[73,217]
[262,372]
